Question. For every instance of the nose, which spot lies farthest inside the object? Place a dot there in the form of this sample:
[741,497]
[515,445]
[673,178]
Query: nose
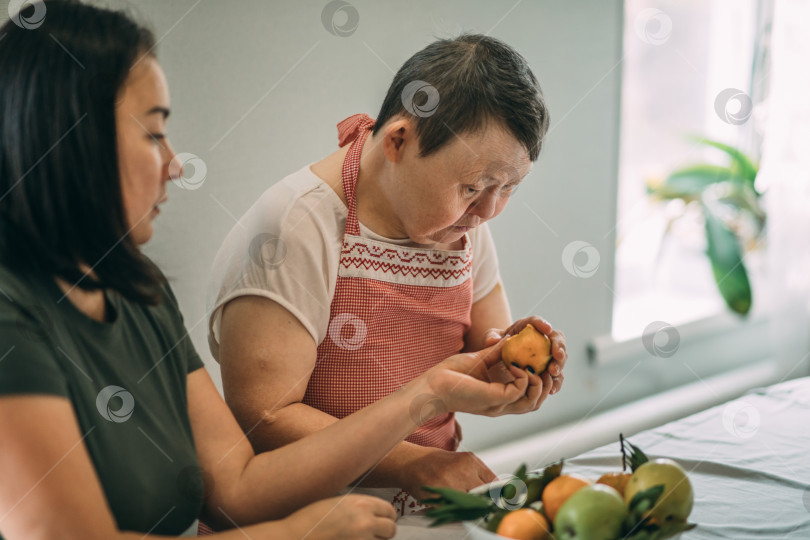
[170,171]
[484,206]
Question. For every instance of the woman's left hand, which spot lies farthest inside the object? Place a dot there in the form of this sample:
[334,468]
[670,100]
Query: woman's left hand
[558,353]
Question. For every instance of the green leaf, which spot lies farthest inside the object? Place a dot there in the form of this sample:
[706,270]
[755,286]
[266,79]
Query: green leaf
[534,490]
[453,505]
[520,473]
[645,500]
[636,458]
[691,181]
[461,498]
[741,164]
[729,271]
[552,471]
[457,514]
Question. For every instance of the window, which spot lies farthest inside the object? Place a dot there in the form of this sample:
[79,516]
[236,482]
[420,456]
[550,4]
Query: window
[687,71]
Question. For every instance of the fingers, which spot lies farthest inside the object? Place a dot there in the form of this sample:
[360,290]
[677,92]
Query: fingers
[560,357]
[558,349]
[547,388]
[486,475]
[491,355]
[536,389]
[538,322]
[557,383]
[384,509]
[492,336]
[384,528]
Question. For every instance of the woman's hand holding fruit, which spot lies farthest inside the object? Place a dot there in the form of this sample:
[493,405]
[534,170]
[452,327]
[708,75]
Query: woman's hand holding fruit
[471,382]
[558,351]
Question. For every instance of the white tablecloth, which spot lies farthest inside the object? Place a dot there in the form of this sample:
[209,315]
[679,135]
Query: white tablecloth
[748,460]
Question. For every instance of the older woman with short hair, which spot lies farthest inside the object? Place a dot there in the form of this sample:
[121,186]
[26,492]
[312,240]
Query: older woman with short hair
[356,274]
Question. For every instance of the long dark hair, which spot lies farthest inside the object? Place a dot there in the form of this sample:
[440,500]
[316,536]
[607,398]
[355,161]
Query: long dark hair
[62,66]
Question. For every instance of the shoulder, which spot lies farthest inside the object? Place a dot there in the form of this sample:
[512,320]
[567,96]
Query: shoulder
[22,298]
[300,208]
[29,324]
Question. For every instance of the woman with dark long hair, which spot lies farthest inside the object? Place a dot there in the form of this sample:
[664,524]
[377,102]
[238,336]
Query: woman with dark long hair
[111,427]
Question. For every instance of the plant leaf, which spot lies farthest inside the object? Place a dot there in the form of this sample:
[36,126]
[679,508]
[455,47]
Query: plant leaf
[691,181]
[742,164]
[727,263]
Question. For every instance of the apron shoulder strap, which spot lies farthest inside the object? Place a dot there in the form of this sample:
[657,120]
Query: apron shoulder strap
[355,129]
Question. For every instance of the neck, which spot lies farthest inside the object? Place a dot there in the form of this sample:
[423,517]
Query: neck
[374,208]
[91,303]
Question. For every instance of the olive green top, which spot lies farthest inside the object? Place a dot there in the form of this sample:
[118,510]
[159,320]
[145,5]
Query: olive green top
[126,382]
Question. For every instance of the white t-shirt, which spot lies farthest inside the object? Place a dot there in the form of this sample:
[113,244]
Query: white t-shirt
[287,248]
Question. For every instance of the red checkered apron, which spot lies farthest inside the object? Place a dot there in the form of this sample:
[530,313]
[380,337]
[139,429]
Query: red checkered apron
[397,311]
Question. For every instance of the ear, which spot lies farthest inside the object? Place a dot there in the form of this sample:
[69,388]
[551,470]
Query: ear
[397,135]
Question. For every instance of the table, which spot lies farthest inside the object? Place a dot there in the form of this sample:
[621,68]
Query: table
[748,460]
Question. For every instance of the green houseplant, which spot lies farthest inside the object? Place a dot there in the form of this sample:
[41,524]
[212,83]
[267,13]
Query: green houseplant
[734,217]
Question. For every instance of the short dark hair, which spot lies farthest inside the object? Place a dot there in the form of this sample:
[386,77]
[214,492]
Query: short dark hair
[60,190]
[477,79]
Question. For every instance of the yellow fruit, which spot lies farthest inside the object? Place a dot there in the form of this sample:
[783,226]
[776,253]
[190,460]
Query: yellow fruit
[675,503]
[527,349]
[524,524]
[557,492]
[617,481]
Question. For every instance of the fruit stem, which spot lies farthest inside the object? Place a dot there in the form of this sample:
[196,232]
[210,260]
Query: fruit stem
[624,455]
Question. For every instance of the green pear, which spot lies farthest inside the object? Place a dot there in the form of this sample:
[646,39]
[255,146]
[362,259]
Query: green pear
[675,502]
[594,512]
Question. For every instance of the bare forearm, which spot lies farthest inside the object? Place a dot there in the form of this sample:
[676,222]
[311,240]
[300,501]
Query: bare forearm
[272,529]
[298,420]
[318,457]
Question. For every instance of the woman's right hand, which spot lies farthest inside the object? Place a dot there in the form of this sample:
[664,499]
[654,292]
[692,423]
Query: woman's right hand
[349,517]
[467,382]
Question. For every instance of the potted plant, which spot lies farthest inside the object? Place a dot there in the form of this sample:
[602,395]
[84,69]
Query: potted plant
[734,217]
